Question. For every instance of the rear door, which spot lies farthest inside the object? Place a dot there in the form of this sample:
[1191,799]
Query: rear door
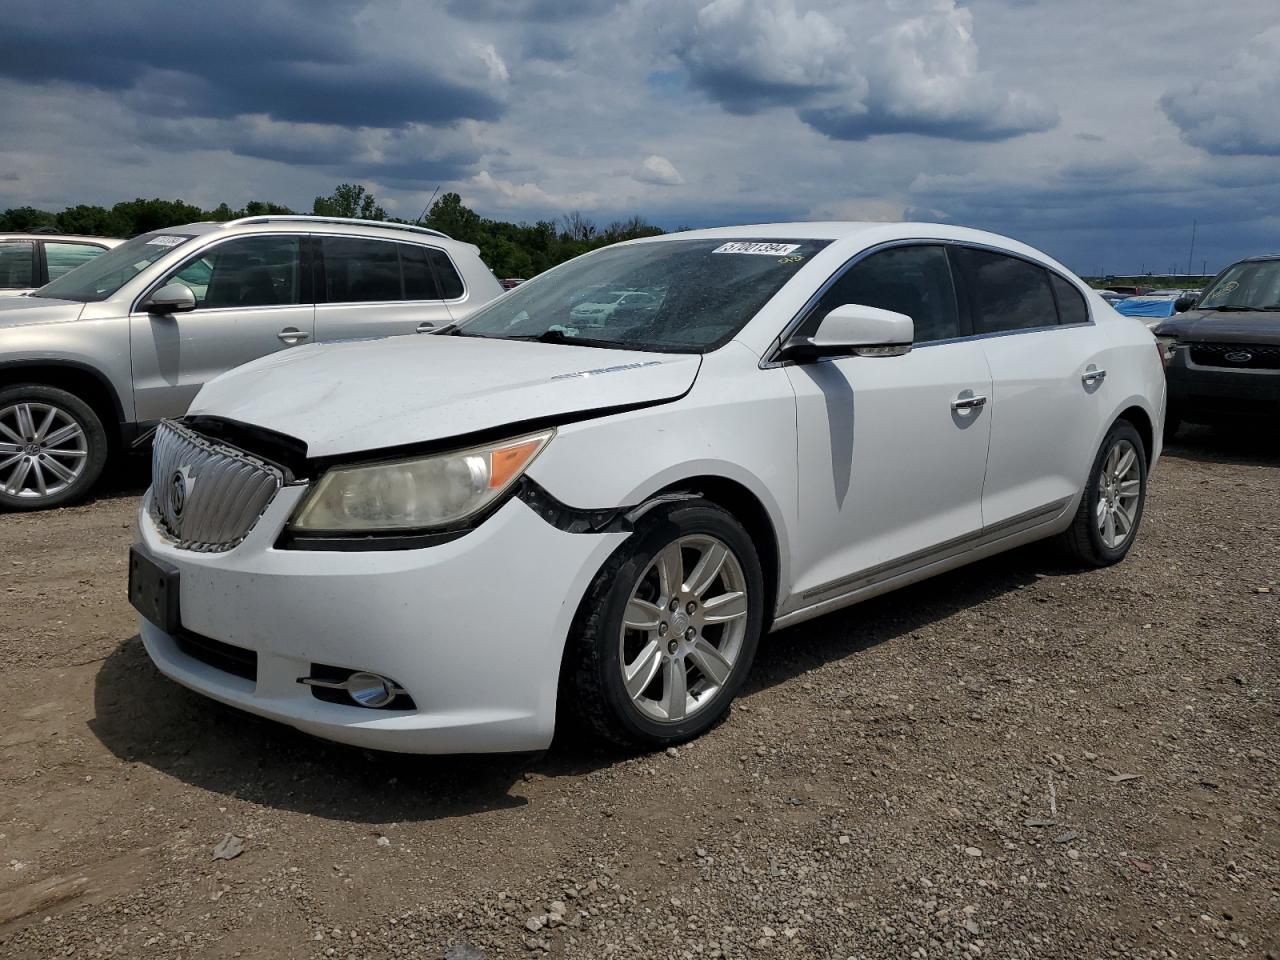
[1049,389]
[372,287]
[252,298]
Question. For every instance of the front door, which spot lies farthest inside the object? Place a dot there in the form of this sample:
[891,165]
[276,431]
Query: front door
[892,450]
[250,301]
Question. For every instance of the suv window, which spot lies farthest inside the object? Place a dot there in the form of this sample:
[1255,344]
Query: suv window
[1008,293]
[16,263]
[912,280]
[60,257]
[1071,305]
[260,271]
[450,283]
[419,281]
[360,271]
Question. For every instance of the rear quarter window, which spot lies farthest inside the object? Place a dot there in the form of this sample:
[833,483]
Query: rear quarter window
[1071,305]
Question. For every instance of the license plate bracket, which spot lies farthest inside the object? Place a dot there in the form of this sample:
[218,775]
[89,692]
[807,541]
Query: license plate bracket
[153,590]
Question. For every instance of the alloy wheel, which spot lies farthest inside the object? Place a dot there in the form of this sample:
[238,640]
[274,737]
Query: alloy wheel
[43,450]
[684,628]
[1119,489]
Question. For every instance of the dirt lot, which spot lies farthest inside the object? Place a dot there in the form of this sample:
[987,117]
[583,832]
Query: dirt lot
[1014,760]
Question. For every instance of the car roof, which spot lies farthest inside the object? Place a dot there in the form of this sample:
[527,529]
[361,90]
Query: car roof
[56,237]
[858,234]
[1259,257]
[272,223]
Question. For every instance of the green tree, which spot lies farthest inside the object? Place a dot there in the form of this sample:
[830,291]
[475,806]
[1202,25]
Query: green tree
[349,200]
[25,219]
[449,215]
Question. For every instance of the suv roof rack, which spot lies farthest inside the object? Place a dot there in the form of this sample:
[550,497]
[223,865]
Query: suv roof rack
[308,218]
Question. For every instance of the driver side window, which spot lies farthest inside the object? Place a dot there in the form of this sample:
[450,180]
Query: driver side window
[260,271]
[911,280]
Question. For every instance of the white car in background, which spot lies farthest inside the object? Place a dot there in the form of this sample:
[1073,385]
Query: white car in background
[30,260]
[437,544]
[599,307]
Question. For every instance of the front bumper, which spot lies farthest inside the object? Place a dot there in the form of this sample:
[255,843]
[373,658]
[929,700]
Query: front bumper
[1202,394]
[473,629]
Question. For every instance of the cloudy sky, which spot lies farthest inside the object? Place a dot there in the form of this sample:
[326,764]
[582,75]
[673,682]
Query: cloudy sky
[1097,130]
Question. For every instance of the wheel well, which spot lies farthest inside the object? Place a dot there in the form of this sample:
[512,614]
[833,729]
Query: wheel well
[1142,423]
[751,513]
[74,380]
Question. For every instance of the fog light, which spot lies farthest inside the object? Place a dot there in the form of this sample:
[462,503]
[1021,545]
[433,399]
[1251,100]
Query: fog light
[364,688]
[370,690]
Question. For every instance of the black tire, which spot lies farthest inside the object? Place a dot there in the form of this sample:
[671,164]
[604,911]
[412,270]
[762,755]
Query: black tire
[95,443]
[1083,541]
[592,690]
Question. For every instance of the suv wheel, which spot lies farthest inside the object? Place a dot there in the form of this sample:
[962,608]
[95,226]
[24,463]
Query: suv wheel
[52,447]
[1111,508]
[668,630]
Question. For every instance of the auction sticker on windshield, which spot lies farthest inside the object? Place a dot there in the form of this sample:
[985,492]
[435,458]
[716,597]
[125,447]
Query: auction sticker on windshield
[166,241]
[764,249]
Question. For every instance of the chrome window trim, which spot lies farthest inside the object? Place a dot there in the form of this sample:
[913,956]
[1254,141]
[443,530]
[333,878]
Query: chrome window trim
[411,242]
[155,285]
[770,358]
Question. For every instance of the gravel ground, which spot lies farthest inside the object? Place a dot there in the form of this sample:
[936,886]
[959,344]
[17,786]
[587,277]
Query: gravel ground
[1012,760]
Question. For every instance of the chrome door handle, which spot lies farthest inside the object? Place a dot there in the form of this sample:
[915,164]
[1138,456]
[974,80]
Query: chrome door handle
[967,403]
[1092,375]
[426,326]
[292,335]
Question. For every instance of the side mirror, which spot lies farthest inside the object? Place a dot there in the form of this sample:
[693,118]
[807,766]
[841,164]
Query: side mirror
[171,298]
[1183,304]
[853,330]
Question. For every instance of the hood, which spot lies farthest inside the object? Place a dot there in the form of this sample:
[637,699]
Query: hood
[1212,326]
[343,398]
[20,311]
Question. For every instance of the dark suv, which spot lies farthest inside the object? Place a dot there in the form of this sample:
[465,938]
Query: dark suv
[1222,351]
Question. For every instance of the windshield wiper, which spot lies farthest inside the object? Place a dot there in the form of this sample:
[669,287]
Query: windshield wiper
[559,336]
[1235,308]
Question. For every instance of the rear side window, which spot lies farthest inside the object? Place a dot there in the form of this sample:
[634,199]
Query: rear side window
[911,280]
[450,283]
[1007,293]
[17,264]
[419,281]
[1071,305]
[62,258]
[360,271]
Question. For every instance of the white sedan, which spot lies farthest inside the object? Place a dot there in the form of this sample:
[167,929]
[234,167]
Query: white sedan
[440,544]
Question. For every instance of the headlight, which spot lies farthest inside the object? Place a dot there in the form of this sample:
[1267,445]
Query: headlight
[1166,345]
[416,494]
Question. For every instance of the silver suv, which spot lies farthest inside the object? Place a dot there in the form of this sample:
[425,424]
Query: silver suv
[29,260]
[93,360]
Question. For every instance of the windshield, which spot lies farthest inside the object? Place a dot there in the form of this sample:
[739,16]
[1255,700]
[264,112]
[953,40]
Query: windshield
[1246,286]
[676,296]
[104,275]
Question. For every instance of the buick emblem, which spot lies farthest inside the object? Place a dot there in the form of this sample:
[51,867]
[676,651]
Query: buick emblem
[1239,356]
[177,493]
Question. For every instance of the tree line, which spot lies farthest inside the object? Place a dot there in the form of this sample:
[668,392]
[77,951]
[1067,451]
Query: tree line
[509,249]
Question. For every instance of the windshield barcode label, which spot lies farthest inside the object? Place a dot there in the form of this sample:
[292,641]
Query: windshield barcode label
[764,249]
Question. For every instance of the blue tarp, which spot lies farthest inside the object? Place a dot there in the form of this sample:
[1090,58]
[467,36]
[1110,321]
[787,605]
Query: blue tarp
[1145,307]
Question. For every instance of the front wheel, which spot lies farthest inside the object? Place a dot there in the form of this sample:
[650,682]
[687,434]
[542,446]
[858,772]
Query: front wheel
[668,630]
[1111,507]
[52,447]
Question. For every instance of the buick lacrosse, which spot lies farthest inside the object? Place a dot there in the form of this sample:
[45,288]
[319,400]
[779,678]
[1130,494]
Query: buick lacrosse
[443,543]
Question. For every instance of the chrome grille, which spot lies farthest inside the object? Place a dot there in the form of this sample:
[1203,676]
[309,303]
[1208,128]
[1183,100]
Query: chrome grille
[207,496]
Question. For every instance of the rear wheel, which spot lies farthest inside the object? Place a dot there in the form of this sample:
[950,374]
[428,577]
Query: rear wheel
[1111,508]
[52,447]
[669,629]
